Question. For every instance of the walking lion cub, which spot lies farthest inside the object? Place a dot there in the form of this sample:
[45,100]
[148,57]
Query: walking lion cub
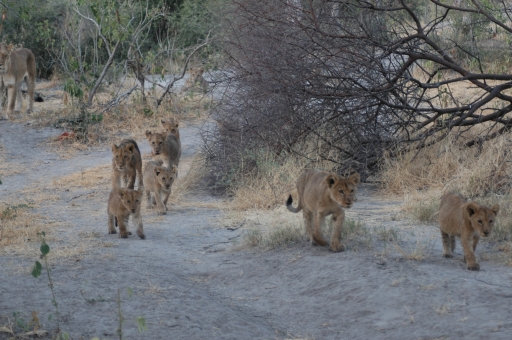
[323,193]
[121,204]
[467,220]
[126,163]
[159,180]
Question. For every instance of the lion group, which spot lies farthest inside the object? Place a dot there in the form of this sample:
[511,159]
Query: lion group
[321,193]
[156,181]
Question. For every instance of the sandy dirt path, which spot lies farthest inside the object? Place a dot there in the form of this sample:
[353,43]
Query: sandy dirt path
[189,282]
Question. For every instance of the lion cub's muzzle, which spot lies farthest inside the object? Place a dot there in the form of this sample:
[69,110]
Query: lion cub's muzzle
[133,210]
[486,233]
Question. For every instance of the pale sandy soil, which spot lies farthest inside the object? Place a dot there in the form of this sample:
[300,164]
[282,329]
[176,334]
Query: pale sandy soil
[190,281]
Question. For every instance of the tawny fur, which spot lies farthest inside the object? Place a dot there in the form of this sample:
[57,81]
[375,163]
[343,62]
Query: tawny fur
[158,180]
[171,127]
[165,148]
[16,66]
[196,80]
[323,193]
[467,220]
[126,164]
[121,204]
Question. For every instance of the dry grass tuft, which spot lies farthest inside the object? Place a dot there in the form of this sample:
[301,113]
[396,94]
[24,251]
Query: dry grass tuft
[270,184]
[416,253]
[93,178]
[450,166]
[20,229]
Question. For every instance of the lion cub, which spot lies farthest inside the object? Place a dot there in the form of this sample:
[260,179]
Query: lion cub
[171,127]
[323,193]
[121,204]
[166,148]
[196,81]
[467,220]
[126,163]
[159,180]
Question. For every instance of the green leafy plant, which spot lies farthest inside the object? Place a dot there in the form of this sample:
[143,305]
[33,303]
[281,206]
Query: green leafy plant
[36,272]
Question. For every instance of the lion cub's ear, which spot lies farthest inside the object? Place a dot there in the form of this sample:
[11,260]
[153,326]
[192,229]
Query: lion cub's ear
[158,170]
[148,133]
[121,193]
[495,209]
[9,47]
[470,208]
[114,147]
[331,180]
[173,169]
[163,122]
[355,178]
[130,147]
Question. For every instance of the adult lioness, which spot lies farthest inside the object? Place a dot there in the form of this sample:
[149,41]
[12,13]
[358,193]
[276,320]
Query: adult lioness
[126,163]
[166,148]
[121,204]
[158,180]
[467,220]
[16,66]
[322,193]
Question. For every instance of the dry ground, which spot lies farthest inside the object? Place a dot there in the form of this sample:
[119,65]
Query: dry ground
[194,278]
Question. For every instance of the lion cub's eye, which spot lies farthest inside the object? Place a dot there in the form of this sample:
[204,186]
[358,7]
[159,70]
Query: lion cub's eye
[351,191]
[480,221]
[127,201]
[490,221]
[341,192]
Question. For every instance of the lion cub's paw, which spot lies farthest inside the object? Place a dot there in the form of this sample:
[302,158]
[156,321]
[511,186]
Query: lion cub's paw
[142,236]
[123,235]
[475,266]
[337,247]
[448,256]
[112,231]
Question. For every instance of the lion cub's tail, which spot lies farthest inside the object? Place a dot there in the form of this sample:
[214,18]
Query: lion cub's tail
[290,207]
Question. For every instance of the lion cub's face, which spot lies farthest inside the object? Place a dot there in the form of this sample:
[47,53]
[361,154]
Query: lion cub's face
[131,199]
[171,126]
[165,176]
[156,141]
[122,155]
[4,56]
[343,189]
[482,218]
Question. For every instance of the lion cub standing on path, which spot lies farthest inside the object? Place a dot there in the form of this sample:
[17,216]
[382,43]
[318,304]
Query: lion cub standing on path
[171,127]
[467,220]
[16,66]
[166,148]
[158,180]
[126,163]
[121,204]
[322,193]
